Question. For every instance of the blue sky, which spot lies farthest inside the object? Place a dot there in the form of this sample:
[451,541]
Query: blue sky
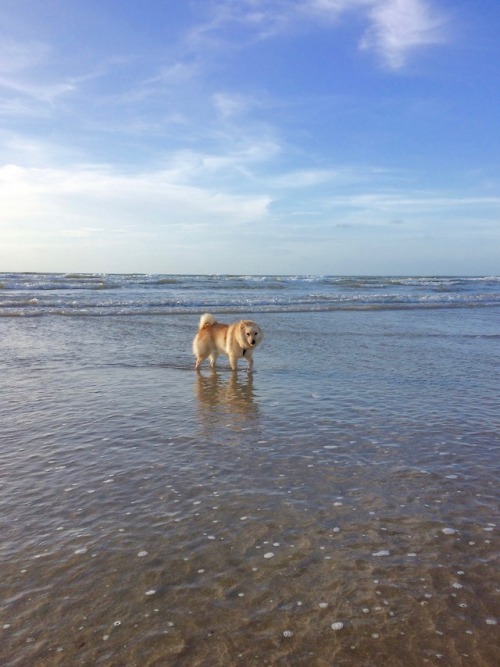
[250,136]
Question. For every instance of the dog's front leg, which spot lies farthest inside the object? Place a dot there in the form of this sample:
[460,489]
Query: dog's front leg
[249,359]
[233,361]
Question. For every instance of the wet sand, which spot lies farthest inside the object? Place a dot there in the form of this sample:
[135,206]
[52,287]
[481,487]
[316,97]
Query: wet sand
[337,507]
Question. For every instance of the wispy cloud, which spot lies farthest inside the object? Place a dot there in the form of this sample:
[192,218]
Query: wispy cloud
[418,209]
[398,27]
[395,28]
[21,83]
[230,105]
[174,74]
[17,55]
[41,93]
[307,178]
[220,167]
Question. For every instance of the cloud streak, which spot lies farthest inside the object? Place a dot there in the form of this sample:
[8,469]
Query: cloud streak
[395,28]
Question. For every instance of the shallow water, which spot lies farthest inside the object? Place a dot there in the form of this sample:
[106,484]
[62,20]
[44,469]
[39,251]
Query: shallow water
[337,507]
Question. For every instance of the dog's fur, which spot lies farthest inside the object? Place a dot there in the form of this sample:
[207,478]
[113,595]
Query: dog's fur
[236,340]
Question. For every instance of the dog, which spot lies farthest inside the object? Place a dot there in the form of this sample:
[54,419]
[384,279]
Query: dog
[236,340]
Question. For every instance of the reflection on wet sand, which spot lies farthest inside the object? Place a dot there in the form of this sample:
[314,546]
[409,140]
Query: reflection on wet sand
[219,395]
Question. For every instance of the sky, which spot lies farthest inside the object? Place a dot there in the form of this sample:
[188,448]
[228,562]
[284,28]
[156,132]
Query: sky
[345,137]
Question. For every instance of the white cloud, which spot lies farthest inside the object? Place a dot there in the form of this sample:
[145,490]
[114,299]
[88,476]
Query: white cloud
[85,195]
[95,217]
[398,27]
[395,27]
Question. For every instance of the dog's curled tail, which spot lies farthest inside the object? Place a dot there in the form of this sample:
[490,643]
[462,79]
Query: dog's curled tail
[207,319]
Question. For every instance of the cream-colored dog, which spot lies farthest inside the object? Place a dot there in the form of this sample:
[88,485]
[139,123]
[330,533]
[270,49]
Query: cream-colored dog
[236,340]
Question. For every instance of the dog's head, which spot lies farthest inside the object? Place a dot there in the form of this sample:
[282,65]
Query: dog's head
[250,333]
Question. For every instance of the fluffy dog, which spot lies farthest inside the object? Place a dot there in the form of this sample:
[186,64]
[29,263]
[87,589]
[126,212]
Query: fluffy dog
[236,340]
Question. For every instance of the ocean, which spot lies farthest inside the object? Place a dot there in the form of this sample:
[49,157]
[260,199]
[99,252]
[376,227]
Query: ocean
[338,506]
[103,294]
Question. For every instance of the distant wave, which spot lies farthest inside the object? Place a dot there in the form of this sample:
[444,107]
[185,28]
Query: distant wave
[82,294]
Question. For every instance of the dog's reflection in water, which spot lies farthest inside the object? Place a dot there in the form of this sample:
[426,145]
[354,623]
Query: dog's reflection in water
[220,395]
